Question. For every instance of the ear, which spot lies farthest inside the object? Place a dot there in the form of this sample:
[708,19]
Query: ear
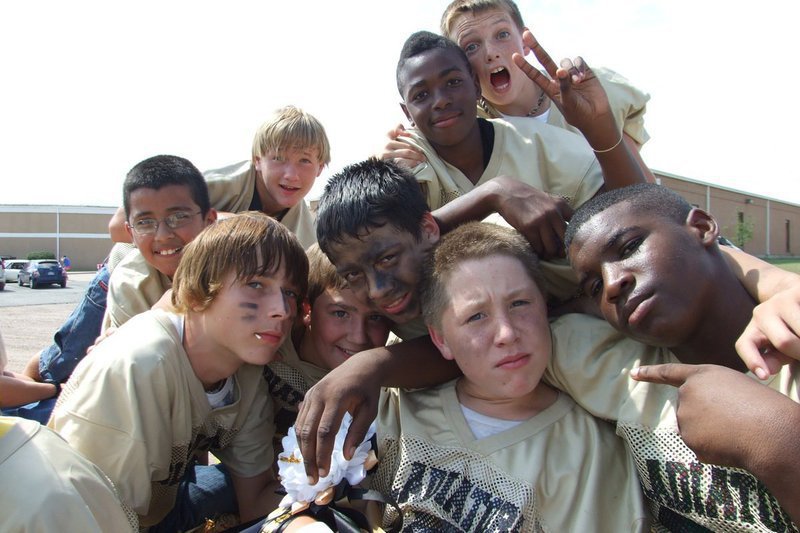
[129,229]
[430,228]
[321,167]
[441,344]
[406,113]
[211,216]
[305,312]
[525,48]
[703,225]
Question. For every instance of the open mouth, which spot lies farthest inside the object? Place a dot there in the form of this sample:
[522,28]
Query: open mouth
[500,78]
[171,251]
[346,352]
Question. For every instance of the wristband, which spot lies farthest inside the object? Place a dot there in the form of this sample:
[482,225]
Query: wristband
[621,134]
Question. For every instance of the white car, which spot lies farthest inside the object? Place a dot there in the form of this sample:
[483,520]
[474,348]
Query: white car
[13,266]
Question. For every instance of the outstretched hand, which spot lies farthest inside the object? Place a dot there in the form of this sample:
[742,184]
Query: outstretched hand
[577,92]
[343,390]
[772,338]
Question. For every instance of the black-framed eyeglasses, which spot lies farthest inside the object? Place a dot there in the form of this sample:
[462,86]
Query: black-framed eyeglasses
[148,226]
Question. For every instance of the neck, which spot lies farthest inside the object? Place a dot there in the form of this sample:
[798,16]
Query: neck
[520,408]
[713,342]
[532,102]
[467,155]
[209,361]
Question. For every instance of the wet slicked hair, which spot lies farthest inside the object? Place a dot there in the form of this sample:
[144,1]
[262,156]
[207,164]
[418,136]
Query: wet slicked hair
[162,170]
[248,244]
[473,240]
[423,41]
[459,7]
[368,195]
[647,198]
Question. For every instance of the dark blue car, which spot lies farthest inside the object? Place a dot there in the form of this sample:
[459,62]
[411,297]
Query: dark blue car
[42,272]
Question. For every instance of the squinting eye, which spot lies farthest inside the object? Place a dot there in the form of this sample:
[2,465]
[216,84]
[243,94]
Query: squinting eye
[630,247]
[595,288]
[254,284]
[476,316]
[420,96]
[353,277]
[518,303]
[145,223]
[376,318]
[289,293]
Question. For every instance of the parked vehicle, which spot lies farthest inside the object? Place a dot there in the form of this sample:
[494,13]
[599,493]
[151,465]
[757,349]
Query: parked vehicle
[42,272]
[13,266]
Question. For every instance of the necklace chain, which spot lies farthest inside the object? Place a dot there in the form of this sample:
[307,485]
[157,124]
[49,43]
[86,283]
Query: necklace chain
[538,105]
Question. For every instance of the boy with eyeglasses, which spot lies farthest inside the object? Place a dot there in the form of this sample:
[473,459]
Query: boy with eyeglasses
[166,206]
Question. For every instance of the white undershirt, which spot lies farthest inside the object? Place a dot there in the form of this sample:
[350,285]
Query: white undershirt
[483,426]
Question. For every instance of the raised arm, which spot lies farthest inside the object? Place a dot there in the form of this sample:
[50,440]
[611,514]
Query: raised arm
[116,227]
[538,216]
[354,387]
[577,92]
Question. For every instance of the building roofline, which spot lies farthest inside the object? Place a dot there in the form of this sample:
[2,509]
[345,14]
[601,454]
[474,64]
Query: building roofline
[721,187]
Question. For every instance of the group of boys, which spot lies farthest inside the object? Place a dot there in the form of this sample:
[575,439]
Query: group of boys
[247,315]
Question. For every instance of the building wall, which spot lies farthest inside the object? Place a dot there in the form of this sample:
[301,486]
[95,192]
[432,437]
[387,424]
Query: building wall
[775,225]
[80,232]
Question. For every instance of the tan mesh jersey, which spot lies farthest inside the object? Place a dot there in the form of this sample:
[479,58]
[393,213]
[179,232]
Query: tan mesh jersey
[134,287]
[562,470]
[231,189]
[134,407]
[592,363]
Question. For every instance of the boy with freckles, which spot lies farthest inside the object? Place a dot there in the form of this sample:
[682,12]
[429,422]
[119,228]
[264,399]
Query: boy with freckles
[523,455]
[167,385]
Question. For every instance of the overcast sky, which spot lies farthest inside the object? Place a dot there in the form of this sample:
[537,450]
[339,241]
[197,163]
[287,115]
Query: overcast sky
[90,88]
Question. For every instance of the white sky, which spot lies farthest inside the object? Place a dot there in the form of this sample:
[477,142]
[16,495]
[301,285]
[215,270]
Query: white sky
[89,88]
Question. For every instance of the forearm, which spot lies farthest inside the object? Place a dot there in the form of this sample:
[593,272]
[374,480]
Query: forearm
[16,390]
[256,495]
[475,205]
[398,365]
[620,165]
[116,227]
[761,279]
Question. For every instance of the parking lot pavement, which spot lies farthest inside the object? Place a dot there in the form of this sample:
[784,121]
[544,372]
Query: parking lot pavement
[29,318]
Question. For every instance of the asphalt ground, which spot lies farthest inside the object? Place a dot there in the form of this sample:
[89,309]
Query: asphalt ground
[29,318]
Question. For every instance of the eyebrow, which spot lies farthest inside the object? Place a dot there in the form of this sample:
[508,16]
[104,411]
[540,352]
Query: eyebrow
[173,209]
[442,74]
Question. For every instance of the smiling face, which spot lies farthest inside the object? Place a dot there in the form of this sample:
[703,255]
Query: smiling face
[164,248]
[440,95]
[249,319]
[286,176]
[383,267]
[651,276]
[489,38]
[338,326]
[495,327]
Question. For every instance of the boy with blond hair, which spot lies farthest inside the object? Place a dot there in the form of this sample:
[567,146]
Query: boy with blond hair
[168,385]
[289,152]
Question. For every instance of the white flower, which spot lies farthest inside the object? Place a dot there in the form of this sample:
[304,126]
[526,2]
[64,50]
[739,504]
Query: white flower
[293,473]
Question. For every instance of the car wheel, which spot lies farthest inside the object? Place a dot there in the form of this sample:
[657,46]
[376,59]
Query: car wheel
[63,284]
[2,286]
[32,283]
[19,281]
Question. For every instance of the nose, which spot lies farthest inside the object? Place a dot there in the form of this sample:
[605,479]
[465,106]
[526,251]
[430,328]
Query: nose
[617,282]
[505,331]
[277,303]
[378,285]
[441,99]
[291,172]
[358,331]
[491,54]
[163,231]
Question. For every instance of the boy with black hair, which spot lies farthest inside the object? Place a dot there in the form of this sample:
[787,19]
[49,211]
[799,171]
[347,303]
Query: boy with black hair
[167,385]
[166,206]
[597,381]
